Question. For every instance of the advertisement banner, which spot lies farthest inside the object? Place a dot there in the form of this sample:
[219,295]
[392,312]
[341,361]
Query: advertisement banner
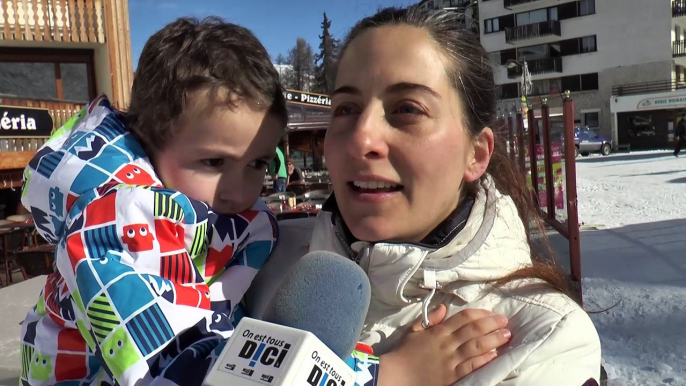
[558,175]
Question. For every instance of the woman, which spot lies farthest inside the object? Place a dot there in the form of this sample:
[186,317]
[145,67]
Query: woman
[428,203]
[295,176]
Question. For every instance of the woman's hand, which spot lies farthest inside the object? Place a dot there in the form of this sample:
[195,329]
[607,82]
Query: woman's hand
[445,352]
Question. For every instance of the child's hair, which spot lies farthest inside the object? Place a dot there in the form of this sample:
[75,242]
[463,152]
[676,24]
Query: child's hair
[189,56]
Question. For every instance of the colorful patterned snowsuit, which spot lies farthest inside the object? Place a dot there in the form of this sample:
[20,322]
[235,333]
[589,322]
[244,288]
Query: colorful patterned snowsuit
[148,282]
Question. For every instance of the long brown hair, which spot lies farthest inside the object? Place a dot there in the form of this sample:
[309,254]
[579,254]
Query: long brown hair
[471,74]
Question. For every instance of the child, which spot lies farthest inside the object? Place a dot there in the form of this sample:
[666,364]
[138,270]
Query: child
[155,214]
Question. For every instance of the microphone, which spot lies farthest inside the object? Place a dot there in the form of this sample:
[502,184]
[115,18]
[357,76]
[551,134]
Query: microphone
[310,329]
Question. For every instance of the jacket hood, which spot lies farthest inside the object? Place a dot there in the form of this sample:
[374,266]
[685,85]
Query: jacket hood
[92,151]
[491,244]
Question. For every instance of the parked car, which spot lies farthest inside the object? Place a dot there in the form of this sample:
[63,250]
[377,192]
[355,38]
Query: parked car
[587,141]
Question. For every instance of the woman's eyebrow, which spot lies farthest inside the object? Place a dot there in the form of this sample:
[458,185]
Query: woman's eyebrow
[392,89]
[409,86]
[346,90]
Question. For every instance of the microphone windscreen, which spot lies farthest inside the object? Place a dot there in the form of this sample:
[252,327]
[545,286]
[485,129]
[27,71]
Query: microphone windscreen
[327,295]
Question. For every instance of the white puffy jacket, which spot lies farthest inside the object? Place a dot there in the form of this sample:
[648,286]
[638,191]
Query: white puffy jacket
[553,340]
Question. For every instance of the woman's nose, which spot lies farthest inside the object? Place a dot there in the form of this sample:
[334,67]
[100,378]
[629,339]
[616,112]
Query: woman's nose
[368,137]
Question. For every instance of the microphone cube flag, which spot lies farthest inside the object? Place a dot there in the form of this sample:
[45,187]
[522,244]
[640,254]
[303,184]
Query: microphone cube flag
[262,353]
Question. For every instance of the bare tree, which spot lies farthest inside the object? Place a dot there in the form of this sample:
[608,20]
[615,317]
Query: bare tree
[301,58]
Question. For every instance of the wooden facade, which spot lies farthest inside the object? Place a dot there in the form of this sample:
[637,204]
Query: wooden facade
[38,23]
[90,38]
[308,119]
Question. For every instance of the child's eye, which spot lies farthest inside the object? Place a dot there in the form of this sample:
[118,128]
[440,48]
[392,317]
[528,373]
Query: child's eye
[213,162]
[259,164]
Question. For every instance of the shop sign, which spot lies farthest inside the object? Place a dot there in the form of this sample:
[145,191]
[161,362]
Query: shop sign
[19,121]
[307,98]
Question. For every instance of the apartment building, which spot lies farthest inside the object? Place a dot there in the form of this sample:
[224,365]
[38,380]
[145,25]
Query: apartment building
[467,7]
[593,48]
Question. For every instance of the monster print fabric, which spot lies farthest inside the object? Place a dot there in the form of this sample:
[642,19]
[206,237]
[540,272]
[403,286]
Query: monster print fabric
[148,282]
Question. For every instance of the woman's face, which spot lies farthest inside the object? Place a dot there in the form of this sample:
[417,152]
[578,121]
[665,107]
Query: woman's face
[397,148]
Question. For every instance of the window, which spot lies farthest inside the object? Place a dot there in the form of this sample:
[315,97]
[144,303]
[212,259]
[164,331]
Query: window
[430,5]
[533,52]
[501,57]
[592,120]
[589,81]
[679,73]
[491,25]
[586,7]
[578,45]
[537,16]
[571,83]
[552,13]
[47,74]
[506,55]
[28,80]
[584,82]
[509,91]
[494,57]
[532,17]
[588,44]
[74,81]
[540,87]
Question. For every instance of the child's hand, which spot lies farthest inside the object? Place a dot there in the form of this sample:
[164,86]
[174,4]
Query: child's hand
[447,351]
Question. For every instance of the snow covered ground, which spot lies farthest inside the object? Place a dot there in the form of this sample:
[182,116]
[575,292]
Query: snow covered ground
[636,258]
[633,188]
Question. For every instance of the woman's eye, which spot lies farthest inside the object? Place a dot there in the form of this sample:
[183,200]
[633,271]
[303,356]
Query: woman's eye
[343,110]
[408,109]
[213,162]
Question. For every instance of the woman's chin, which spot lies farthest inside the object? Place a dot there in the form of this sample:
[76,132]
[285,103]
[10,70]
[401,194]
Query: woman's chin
[373,228]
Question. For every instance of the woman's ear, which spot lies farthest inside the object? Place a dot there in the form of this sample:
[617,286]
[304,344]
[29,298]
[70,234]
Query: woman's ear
[482,152]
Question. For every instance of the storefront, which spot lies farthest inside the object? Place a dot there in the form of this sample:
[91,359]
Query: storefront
[55,56]
[647,121]
[308,119]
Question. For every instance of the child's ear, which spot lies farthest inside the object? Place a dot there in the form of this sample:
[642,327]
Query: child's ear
[481,155]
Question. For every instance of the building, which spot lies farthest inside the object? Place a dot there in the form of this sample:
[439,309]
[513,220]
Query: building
[55,56]
[595,49]
[308,119]
[467,7]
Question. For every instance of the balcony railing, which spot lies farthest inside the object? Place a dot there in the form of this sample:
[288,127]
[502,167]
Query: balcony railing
[679,49]
[53,20]
[514,3]
[647,87]
[538,66]
[678,8]
[60,111]
[532,31]
[15,152]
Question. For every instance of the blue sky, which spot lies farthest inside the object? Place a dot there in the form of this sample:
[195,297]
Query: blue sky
[277,23]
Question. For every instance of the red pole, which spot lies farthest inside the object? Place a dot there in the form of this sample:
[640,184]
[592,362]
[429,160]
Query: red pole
[510,133]
[520,140]
[572,202]
[548,161]
[533,162]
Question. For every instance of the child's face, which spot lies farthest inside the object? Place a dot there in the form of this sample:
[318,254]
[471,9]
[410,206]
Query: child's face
[220,157]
